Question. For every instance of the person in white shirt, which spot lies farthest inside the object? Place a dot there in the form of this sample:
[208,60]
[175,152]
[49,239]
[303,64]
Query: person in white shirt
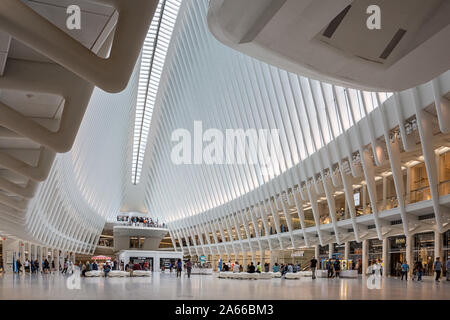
[236,267]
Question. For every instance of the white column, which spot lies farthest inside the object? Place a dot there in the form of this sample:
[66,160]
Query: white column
[347,250]
[365,256]
[272,258]
[409,253]
[263,257]
[364,197]
[384,191]
[438,246]
[40,258]
[316,251]
[330,250]
[386,258]
[244,260]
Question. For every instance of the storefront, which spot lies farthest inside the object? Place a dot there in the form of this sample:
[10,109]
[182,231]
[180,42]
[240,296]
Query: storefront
[424,251]
[397,253]
[375,250]
[143,261]
[323,252]
[153,258]
[446,245]
[355,255]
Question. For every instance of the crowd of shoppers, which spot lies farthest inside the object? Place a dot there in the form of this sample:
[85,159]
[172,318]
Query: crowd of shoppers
[141,221]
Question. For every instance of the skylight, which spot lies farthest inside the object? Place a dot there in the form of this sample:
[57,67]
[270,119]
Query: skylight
[153,56]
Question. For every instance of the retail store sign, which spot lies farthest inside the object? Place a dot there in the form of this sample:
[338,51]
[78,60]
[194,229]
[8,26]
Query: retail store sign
[202,259]
[298,254]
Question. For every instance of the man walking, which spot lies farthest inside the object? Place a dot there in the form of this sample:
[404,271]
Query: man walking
[437,268]
[189,267]
[405,270]
[313,266]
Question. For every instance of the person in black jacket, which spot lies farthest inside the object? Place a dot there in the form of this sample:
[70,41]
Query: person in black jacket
[251,269]
[337,267]
[313,266]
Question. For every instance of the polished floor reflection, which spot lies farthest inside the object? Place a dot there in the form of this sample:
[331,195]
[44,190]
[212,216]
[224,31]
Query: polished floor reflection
[167,286]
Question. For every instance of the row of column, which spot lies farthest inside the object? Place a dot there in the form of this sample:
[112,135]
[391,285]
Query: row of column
[250,256]
[26,250]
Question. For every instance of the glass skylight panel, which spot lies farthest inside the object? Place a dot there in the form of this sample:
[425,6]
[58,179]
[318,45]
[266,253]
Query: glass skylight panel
[154,54]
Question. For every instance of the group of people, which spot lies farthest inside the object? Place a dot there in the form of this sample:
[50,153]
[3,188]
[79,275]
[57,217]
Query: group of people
[30,266]
[418,269]
[144,221]
[178,266]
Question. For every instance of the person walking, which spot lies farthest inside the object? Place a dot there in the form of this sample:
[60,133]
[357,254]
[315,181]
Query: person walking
[330,269]
[188,267]
[66,265]
[337,268]
[405,270]
[179,268]
[418,270]
[27,265]
[398,269]
[437,268]
[313,266]
[18,265]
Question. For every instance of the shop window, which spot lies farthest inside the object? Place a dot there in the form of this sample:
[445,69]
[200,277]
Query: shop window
[444,174]
[419,185]
[424,251]
[375,250]
[134,242]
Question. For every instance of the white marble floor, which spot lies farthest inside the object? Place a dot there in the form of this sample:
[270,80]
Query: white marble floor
[167,286]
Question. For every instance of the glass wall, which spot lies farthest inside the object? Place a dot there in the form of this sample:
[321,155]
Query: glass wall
[424,251]
[398,254]
[375,250]
[444,173]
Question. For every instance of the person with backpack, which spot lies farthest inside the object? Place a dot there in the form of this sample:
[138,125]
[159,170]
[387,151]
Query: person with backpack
[179,267]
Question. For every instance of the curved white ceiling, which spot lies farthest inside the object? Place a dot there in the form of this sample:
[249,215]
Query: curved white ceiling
[329,40]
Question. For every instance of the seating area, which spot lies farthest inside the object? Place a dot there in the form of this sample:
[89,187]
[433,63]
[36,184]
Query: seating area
[118,274]
[298,275]
[202,271]
[246,275]
[263,275]
[141,273]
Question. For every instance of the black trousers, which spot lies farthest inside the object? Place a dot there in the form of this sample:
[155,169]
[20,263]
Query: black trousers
[405,274]
[438,274]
